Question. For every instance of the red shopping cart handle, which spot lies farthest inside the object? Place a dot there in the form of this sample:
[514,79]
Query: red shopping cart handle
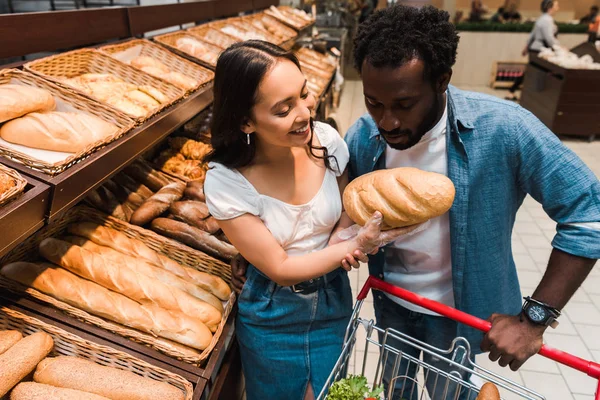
[589,367]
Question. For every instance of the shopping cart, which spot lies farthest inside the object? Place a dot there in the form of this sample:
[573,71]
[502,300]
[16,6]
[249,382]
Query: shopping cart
[448,383]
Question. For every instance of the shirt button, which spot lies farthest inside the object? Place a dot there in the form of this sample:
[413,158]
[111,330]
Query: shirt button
[374,158]
[379,297]
[381,276]
[382,250]
[311,281]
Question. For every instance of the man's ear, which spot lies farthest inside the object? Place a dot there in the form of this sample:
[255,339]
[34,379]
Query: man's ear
[247,126]
[443,82]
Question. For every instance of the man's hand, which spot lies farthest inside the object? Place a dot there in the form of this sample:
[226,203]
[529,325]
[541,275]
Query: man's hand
[238,272]
[512,340]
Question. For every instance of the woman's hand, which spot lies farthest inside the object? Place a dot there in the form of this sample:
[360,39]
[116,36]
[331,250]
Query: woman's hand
[370,237]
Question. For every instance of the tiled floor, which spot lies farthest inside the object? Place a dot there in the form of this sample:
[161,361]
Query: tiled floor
[579,329]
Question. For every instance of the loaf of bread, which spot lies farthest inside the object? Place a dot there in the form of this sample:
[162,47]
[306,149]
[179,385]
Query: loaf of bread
[120,278]
[87,376]
[146,175]
[135,248]
[145,61]
[57,131]
[8,339]
[40,391]
[189,210]
[158,203]
[144,267]
[18,100]
[405,196]
[208,225]
[194,237]
[97,300]
[488,391]
[19,360]
[195,191]
[103,199]
[129,183]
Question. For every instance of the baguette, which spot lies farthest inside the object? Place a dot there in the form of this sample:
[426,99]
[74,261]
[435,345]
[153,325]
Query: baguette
[208,225]
[194,237]
[104,200]
[195,191]
[127,281]
[148,269]
[405,196]
[189,211]
[40,391]
[135,187]
[135,248]
[158,203]
[115,384]
[146,175]
[96,300]
[8,339]
[18,361]
[18,100]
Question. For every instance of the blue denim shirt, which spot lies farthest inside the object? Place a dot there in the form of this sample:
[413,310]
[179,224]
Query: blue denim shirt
[498,153]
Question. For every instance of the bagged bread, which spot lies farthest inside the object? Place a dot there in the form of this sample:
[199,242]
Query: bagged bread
[87,376]
[19,360]
[405,196]
[18,100]
[57,131]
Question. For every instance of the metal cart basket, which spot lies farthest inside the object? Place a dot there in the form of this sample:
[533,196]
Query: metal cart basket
[458,380]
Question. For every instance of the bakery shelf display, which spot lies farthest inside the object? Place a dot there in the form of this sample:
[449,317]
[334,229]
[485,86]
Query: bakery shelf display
[101,77]
[191,47]
[161,63]
[12,184]
[126,280]
[62,126]
[67,364]
[292,17]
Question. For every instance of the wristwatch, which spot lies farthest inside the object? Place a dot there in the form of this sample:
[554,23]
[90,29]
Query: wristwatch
[540,313]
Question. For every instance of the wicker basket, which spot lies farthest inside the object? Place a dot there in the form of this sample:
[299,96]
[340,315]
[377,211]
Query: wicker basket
[169,40]
[291,21]
[143,47]
[289,33]
[74,100]
[209,33]
[69,344]
[13,192]
[78,62]
[244,27]
[28,251]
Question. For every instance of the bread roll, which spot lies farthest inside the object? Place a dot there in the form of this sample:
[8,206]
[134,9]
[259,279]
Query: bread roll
[18,100]
[18,361]
[127,281]
[96,300]
[194,237]
[40,391]
[488,391]
[87,376]
[135,248]
[57,131]
[405,196]
[8,339]
[144,267]
[158,203]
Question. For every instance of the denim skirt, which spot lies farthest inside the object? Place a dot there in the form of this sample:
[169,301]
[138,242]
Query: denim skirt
[289,339]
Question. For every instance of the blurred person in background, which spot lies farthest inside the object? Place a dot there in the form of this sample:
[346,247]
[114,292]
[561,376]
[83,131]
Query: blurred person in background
[512,14]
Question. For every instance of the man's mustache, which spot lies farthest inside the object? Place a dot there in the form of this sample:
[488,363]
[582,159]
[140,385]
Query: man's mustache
[395,132]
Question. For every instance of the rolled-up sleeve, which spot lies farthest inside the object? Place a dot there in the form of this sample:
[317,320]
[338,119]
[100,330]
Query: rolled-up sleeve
[557,178]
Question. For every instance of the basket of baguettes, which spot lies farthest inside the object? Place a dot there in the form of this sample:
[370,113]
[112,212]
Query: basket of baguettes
[157,61]
[318,69]
[191,47]
[125,279]
[48,127]
[11,184]
[213,35]
[67,367]
[272,25]
[242,30]
[109,81]
[145,197]
[290,16]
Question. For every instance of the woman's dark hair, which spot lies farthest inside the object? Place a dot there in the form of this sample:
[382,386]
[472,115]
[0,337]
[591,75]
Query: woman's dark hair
[239,71]
[546,5]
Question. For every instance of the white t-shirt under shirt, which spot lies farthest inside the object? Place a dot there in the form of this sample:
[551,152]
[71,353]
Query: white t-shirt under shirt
[299,229]
[422,262]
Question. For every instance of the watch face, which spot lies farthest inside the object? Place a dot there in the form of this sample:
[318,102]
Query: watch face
[536,313]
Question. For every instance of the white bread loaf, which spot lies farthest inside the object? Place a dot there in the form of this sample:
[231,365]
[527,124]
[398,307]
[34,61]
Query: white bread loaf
[87,376]
[127,281]
[22,358]
[9,339]
[96,300]
[40,391]
[191,46]
[114,239]
[57,131]
[148,269]
[144,61]
[405,196]
[18,100]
